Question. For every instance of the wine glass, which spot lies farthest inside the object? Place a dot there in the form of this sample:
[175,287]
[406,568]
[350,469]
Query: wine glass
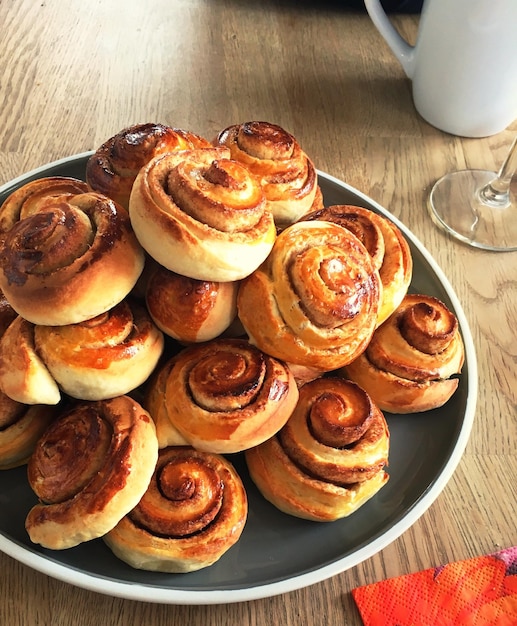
[479,207]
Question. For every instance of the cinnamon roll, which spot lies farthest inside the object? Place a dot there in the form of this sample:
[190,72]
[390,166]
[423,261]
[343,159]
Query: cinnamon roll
[413,360]
[224,396]
[73,260]
[315,300]
[202,215]
[385,243]
[106,356]
[92,466]
[192,513]
[286,173]
[113,167]
[21,426]
[329,458]
[35,196]
[190,310]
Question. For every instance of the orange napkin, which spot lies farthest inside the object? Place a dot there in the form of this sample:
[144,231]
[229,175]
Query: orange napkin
[481,591]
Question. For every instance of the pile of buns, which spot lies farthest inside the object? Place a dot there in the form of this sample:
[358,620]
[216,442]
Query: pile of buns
[192,300]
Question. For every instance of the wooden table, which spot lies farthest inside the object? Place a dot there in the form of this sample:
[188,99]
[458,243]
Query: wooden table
[75,73]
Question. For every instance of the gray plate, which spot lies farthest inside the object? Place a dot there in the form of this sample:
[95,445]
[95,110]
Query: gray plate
[276,553]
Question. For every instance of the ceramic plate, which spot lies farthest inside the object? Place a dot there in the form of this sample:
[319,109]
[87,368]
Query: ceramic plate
[276,553]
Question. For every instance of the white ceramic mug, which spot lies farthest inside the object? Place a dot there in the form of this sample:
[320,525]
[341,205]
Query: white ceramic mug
[463,66]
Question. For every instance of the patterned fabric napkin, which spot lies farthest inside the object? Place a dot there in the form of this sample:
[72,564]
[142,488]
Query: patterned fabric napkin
[481,591]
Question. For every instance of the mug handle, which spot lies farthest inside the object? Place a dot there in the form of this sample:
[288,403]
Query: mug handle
[404,52]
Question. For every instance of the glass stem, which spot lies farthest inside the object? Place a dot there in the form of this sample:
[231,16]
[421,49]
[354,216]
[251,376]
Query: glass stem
[497,192]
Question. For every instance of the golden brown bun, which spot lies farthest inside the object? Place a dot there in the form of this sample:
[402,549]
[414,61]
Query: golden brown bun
[190,310]
[315,300]
[100,358]
[104,357]
[20,428]
[286,173]
[202,215]
[70,262]
[330,456]
[223,396]
[385,243]
[156,403]
[24,377]
[89,469]
[34,196]
[192,513]
[20,424]
[413,359]
[113,167]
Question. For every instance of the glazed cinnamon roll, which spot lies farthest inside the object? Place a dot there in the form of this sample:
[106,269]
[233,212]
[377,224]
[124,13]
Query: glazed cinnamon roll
[190,310]
[193,512]
[385,243]
[224,396]
[89,469]
[315,300]
[202,215]
[113,167]
[413,360]
[35,196]
[286,173]
[21,426]
[106,356]
[330,456]
[73,260]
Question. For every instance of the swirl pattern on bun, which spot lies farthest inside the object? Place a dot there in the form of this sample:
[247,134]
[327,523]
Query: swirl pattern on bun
[275,157]
[315,300]
[192,513]
[223,396]
[89,469]
[113,167]
[385,243]
[35,196]
[412,362]
[73,260]
[202,215]
[106,356]
[330,456]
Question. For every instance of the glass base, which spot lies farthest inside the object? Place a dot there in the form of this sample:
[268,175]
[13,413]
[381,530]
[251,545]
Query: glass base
[456,207]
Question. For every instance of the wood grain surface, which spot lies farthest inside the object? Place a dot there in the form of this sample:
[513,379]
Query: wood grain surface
[74,73]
